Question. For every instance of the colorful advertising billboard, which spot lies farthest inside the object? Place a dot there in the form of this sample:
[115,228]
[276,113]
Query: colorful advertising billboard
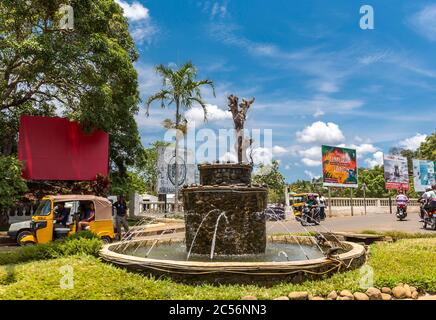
[339,167]
[423,174]
[396,172]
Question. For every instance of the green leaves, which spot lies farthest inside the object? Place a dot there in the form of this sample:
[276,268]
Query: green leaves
[271,176]
[179,86]
[86,74]
[11,183]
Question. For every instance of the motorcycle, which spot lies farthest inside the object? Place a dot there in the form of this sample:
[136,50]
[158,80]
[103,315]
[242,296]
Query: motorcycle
[310,216]
[401,211]
[430,220]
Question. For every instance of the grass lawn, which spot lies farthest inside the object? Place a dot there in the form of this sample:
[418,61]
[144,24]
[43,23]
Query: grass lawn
[411,261]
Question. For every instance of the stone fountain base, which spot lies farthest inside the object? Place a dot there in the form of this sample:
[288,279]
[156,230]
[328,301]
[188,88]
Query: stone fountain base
[241,228]
[225,214]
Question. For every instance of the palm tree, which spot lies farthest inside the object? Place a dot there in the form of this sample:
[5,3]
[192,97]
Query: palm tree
[179,87]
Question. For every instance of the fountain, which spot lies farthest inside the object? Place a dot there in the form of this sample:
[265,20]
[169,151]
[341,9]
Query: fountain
[226,188]
[226,236]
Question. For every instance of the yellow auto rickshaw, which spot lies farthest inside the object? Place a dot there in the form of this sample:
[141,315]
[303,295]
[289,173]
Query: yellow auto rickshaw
[45,228]
[298,200]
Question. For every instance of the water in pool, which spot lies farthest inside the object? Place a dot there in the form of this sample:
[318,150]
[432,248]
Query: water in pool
[275,252]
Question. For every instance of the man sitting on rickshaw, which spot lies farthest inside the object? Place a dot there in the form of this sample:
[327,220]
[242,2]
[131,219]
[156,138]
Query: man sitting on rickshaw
[61,214]
[309,211]
[89,216]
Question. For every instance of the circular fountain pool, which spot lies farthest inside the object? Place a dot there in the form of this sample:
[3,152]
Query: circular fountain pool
[290,259]
[226,239]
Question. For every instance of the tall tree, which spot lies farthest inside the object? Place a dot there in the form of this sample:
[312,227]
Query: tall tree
[272,177]
[85,74]
[179,87]
[11,183]
[427,149]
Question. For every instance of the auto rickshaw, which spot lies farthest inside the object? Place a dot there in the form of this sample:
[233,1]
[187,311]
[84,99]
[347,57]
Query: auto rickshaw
[44,228]
[297,201]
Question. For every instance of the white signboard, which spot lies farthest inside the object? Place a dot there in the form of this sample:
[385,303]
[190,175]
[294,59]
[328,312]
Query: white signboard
[423,174]
[166,168]
[396,172]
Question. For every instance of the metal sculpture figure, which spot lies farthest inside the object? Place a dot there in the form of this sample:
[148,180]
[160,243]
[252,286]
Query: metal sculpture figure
[239,114]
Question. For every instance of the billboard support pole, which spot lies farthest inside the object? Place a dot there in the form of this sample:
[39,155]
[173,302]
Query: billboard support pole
[390,204]
[166,203]
[364,198]
[330,202]
[351,201]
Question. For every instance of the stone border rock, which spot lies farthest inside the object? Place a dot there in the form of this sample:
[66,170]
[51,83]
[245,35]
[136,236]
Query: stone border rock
[262,273]
[399,292]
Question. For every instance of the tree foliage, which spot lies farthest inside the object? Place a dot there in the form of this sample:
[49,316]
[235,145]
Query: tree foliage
[85,74]
[427,149]
[272,177]
[142,178]
[11,183]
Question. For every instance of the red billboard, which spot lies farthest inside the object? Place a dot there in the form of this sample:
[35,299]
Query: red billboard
[58,149]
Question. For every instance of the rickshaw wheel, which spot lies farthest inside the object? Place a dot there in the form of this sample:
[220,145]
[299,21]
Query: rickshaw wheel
[21,235]
[106,239]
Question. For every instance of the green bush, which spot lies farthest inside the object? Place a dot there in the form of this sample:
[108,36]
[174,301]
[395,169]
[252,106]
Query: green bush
[81,244]
[84,234]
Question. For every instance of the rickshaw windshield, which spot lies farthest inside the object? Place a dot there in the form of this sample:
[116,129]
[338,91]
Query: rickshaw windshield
[43,209]
[297,199]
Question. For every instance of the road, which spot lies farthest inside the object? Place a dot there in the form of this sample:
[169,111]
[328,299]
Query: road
[376,222]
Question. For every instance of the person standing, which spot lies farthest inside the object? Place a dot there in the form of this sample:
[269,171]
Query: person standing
[321,203]
[121,216]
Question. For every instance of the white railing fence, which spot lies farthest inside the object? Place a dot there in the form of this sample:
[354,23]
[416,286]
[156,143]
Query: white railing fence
[339,206]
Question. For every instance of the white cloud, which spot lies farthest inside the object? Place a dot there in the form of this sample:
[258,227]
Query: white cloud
[376,160]
[149,81]
[358,139]
[229,156]
[321,132]
[279,150]
[361,149]
[214,113]
[310,163]
[219,10]
[141,26]
[414,142]
[135,11]
[313,153]
[424,22]
[318,113]
[262,156]
[373,58]
[311,175]
[328,87]
[317,105]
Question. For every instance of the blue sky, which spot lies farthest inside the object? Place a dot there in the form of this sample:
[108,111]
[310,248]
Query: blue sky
[318,78]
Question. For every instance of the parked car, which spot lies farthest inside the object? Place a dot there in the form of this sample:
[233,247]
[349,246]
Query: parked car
[18,230]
